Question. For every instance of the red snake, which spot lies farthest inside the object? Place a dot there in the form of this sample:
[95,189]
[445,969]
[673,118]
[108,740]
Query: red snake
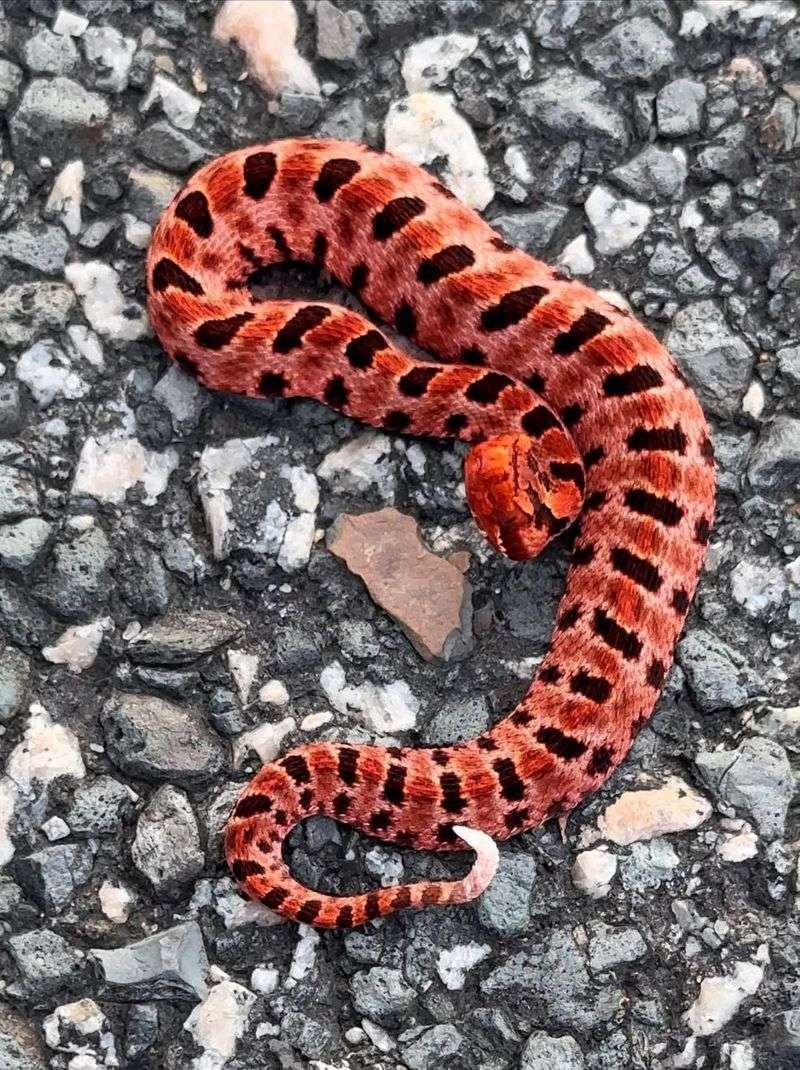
[572,406]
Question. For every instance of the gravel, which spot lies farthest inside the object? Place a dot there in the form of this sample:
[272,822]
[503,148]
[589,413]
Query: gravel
[168,548]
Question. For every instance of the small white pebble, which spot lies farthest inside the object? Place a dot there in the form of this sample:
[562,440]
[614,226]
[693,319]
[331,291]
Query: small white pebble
[593,872]
[55,829]
[274,692]
[316,720]
[264,979]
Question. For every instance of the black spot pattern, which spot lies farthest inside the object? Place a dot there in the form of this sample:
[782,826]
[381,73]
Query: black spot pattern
[571,414]
[395,215]
[396,421]
[512,308]
[511,787]
[216,334]
[588,326]
[446,262]
[348,765]
[472,355]
[394,785]
[405,320]
[656,672]
[455,423]
[452,799]
[251,805]
[664,510]
[614,635]
[309,910]
[333,175]
[342,803]
[259,171]
[273,384]
[274,897]
[566,747]
[359,277]
[344,919]
[297,768]
[361,351]
[193,209]
[680,600]
[336,392]
[570,472]
[635,381]
[415,383]
[319,249]
[488,388]
[596,688]
[282,246]
[168,273]
[291,334]
[538,420]
[668,439]
[642,572]
[600,761]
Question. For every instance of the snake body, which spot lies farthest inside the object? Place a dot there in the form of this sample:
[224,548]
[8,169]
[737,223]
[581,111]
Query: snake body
[572,407]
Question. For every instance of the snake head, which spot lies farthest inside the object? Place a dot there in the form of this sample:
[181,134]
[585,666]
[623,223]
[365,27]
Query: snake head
[520,496]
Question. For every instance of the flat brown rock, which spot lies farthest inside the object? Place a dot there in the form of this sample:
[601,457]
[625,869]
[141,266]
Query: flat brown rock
[428,596]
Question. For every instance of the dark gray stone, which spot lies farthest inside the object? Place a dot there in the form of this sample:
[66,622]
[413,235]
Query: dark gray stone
[570,104]
[20,1046]
[156,740]
[431,1047]
[10,81]
[24,623]
[609,947]
[347,122]
[718,676]
[339,33]
[655,174]
[79,580]
[169,965]
[57,117]
[679,107]
[531,231]
[311,1038]
[754,241]
[789,363]
[41,247]
[184,637]
[505,906]
[456,721]
[544,1052]
[22,543]
[143,581]
[53,875]
[774,461]
[382,994]
[30,309]
[18,494]
[162,144]
[99,807]
[635,48]
[46,962]
[756,779]
[166,849]
[10,409]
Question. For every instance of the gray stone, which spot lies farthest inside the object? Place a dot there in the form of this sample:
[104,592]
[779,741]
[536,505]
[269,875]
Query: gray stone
[718,675]
[679,107]
[156,740]
[20,1046]
[731,450]
[456,721]
[573,105]
[756,779]
[654,174]
[169,965]
[50,53]
[25,623]
[183,637]
[167,844]
[59,118]
[10,81]
[635,48]
[311,1038]
[162,144]
[729,157]
[149,193]
[382,994]
[11,899]
[10,410]
[339,33]
[143,581]
[543,1052]
[23,542]
[716,359]
[141,1031]
[531,231]
[299,111]
[30,309]
[347,122]
[695,283]
[99,807]
[18,494]
[111,56]
[431,1047]
[79,580]
[52,876]
[46,962]
[774,461]
[754,240]
[43,247]
[505,906]
[789,364]
[668,260]
[612,947]
[15,670]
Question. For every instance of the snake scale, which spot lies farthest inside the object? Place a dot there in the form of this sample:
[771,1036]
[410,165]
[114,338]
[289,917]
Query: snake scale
[577,416]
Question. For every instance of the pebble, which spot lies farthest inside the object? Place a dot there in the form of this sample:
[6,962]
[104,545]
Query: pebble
[428,62]
[267,34]
[166,849]
[29,309]
[718,676]
[721,997]
[459,719]
[99,807]
[149,192]
[66,197]
[425,127]
[531,231]
[162,144]
[109,313]
[388,708]
[635,48]
[179,106]
[274,693]
[59,117]
[505,906]
[10,81]
[618,222]
[360,464]
[655,174]
[431,1046]
[266,740]
[47,751]
[78,580]
[156,740]
[15,671]
[774,460]
[643,815]
[83,1028]
[77,647]
[219,1022]
[593,871]
[754,241]
[22,543]
[679,107]
[610,947]
[46,962]
[756,779]
[112,464]
[42,247]
[50,53]
[181,638]
[339,33]
[382,994]
[11,415]
[169,964]
[111,55]
[48,374]
[544,1052]
[52,876]
[572,105]
[384,548]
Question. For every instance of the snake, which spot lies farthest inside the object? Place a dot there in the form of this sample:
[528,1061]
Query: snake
[577,419]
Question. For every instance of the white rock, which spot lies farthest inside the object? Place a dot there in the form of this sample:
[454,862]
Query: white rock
[55,829]
[110,465]
[642,815]
[360,463]
[304,487]
[235,910]
[738,848]
[378,1036]
[305,955]
[274,693]
[179,106]
[313,721]
[517,163]
[137,233]
[181,395]
[85,1018]
[116,902]
[429,62]
[66,196]
[618,222]
[754,400]
[385,863]
[77,647]
[297,542]
[386,709]
[218,467]
[593,871]
[85,344]
[576,256]
[740,1055]
[109,313]
[46,371]
[244,669]
[426,126]
[219,1022]
[69,24]
[265,740]
[692,23]
[8,800]
[453,963]
[721,997]
[47,750]
[110,52]
[22,542]
[266,31]
[264,980]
